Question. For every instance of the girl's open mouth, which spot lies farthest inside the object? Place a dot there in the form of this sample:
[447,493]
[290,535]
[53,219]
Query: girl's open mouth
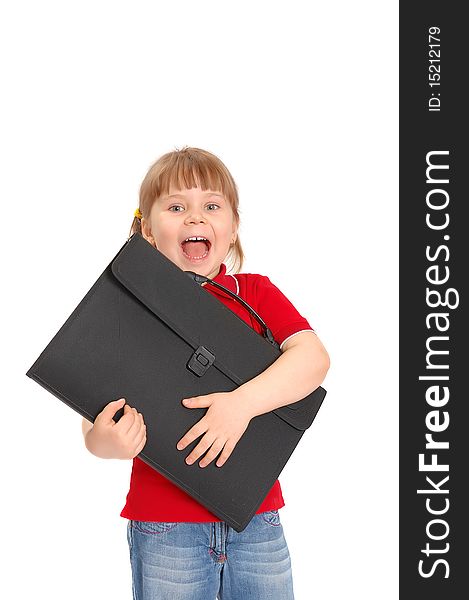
[196,250]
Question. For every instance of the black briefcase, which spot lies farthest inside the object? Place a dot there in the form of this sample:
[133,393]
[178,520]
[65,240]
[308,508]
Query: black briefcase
[149,332]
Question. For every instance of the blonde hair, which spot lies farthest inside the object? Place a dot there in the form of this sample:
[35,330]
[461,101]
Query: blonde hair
[185,169]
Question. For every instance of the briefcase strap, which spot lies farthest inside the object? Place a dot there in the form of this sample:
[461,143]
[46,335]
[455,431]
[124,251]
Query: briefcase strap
[266,331]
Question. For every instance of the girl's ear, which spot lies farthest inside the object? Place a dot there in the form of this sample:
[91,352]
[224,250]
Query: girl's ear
[146,232]
[235,233]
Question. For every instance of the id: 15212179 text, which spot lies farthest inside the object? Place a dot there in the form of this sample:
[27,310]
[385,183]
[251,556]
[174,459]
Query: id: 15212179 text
[434,69]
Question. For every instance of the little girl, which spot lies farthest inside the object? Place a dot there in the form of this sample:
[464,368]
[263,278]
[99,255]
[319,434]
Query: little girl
[179,550]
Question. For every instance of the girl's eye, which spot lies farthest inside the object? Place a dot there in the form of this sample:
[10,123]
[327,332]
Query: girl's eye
[179,206]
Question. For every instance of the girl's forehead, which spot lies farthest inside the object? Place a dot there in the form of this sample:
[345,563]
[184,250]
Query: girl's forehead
[176,191]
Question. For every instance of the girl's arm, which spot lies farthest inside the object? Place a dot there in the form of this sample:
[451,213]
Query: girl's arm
[297,372]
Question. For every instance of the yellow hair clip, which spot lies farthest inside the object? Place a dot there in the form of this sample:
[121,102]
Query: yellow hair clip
[138,214]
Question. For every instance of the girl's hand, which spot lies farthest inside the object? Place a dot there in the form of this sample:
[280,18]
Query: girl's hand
[124,439]
[224,423]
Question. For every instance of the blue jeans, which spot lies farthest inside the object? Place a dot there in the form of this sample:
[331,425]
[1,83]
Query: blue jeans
[210,561]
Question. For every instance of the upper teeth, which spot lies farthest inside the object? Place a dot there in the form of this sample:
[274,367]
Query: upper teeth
[196,239]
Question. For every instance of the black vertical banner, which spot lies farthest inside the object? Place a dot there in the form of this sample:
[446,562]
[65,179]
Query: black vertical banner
[434,342]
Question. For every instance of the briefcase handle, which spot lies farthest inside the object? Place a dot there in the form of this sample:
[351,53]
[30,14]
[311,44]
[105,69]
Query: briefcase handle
[266,331]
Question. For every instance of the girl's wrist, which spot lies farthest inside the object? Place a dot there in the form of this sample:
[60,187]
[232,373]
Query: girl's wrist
[244,401]
[89,442]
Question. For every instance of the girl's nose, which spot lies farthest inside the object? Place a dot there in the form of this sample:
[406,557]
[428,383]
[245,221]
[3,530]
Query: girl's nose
[195,218]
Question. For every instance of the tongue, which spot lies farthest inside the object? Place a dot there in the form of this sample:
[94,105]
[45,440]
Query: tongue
[195,249]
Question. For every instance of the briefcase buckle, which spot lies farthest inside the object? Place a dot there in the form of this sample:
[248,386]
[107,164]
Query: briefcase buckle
[200,361]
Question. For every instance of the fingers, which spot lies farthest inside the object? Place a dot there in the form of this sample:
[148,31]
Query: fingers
[200,449]
[212,453]
[138,426]
[110,409]
[193,433]
[136,430]
[227,450]
[140,447]
[140,441]
[130,422]
[227,445]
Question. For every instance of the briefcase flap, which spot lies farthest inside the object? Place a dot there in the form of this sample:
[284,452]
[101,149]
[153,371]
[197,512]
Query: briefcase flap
[301,414]
[201,320]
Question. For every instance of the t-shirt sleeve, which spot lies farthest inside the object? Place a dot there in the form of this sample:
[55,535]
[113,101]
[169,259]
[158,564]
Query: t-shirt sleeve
[278,312]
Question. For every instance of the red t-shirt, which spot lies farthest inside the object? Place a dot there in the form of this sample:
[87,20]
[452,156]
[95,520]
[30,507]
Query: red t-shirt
[151,496]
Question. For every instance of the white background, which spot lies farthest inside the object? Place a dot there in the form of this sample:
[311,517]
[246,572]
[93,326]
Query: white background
[300,103]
